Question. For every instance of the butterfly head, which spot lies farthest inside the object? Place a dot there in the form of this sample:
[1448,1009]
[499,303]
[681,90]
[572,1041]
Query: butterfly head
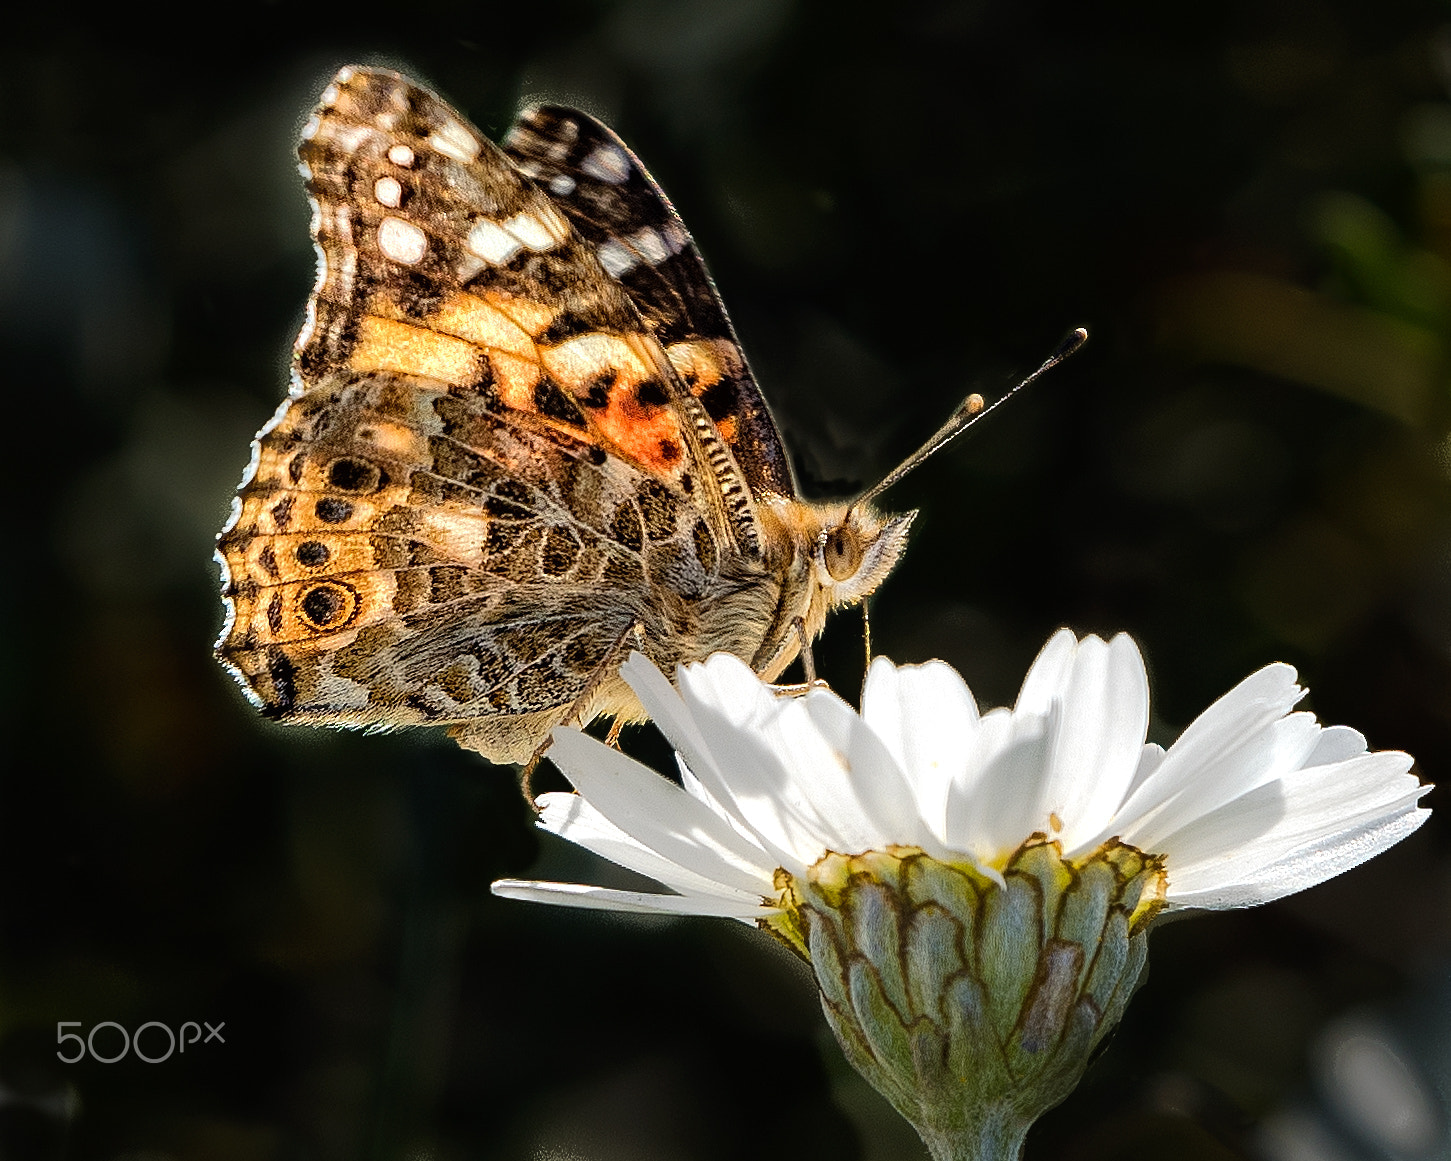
[856,546]
[855,551]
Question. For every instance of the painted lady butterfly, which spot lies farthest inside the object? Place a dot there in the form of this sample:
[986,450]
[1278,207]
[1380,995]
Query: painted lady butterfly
[520,438]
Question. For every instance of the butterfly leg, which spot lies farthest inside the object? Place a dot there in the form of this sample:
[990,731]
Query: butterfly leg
[866,641]
[808,661]
[808,666]
[608,664]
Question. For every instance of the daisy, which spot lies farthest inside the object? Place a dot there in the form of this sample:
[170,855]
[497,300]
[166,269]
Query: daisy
[972,890]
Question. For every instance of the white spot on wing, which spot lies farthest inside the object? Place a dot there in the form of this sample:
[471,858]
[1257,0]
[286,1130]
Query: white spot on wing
[348,138]
[650,246]
[607,163]
[562,186]
[491,242]
[309,131]
[388,192]
[529,230]
[468,265]
[453,140]
[541,230]
[615,257]
[675,236]
[402,241]
[400,155]
[329,96]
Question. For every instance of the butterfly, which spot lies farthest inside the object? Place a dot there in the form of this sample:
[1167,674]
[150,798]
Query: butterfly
[520,439]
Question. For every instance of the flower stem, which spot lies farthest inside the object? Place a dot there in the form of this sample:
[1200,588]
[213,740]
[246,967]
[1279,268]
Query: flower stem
[996,1135]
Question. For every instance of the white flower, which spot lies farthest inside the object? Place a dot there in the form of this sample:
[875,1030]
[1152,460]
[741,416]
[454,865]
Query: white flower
[973,891]
[1253,801]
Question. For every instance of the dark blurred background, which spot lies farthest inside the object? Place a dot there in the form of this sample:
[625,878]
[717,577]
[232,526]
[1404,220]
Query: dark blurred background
[1249,205]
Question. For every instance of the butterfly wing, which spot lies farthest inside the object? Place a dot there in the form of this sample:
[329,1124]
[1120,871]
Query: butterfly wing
[616,206]
[486,467]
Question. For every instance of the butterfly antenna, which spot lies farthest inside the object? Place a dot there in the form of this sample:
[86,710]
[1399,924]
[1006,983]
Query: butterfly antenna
[969,412]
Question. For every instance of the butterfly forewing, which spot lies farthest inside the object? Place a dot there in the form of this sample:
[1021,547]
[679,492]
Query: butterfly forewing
[440,261]
[617,207]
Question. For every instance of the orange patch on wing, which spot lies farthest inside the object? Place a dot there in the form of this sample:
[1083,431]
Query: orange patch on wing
[515,379]
[272,461]
[496,322]
[385,344]
[496,328]
[646,433]
[529,314]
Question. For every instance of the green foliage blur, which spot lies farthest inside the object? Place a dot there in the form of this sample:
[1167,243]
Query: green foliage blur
[1247,204]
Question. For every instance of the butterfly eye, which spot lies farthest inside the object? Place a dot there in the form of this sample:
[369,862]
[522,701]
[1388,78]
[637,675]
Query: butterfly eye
[842,553]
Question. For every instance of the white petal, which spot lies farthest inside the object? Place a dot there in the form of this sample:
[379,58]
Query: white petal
[1238,743]
[697,790]
[671,717]
[1307,867]
[1048,675]
[1305,807]
[1097,748]
[729,686]
[669,713]
[1335,744]
[737,718]
[815,783]
[1149,759]
[863,785]
[605,899]
[1004,806]
[658,814]
[1253,802]
[927,718]
[572,817]
[968,812]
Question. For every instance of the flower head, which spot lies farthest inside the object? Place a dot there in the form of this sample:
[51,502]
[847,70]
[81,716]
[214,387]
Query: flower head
[973,890]
[1253,801]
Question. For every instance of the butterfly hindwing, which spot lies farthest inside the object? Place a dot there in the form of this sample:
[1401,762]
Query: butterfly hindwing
[385,564]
